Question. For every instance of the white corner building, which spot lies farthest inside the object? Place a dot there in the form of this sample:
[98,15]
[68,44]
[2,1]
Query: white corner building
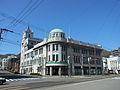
[58,55]
[114,64]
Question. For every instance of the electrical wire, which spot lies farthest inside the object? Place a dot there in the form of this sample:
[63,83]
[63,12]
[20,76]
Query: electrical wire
[10,42]
[23,22]
[28,12]
[15,19]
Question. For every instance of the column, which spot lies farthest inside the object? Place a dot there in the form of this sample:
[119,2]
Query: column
[82,72]
[82,69]
[73,70]
[59,72]
[50,71]
[60,52]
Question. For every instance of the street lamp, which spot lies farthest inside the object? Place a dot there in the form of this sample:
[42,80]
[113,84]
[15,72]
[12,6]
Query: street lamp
[40,64]
[89,58]
[82,72]
[68,61]
[32,63]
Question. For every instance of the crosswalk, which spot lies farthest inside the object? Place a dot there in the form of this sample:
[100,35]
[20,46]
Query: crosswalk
[116,78]
[21,79]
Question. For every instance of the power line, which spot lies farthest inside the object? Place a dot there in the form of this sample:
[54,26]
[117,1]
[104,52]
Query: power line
[15,19]
[10,42]
[23,22]
[5,50]
[28,12]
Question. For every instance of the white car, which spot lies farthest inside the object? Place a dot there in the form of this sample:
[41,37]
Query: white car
[2,80]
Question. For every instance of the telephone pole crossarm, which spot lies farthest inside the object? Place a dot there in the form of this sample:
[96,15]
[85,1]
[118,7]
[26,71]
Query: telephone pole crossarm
[4,30]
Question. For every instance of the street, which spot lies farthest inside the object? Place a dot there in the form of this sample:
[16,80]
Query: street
[63,83]
[103,84]
[13,77]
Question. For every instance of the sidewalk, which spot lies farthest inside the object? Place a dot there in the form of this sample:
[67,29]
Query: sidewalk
[86,76]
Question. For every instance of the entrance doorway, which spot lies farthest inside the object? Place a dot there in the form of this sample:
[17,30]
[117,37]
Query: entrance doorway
[55,70]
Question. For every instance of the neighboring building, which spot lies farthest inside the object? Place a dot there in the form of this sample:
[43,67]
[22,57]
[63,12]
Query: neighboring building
[13,65]
[5,62]
[113,64]
[0,63]
[115,52]
[59,55]
[105,65]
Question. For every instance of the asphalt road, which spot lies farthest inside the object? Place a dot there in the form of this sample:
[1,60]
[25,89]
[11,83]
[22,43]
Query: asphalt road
[103,84]
[8,75]
[60,83]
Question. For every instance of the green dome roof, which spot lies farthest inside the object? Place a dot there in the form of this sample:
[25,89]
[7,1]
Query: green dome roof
[56,30]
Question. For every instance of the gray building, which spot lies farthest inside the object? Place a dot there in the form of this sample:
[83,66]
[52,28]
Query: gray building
[59,55]
[5,62]
[115,52]
[0,63]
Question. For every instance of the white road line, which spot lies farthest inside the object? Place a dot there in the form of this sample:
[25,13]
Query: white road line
[20,79]
[116,78]
[11,79]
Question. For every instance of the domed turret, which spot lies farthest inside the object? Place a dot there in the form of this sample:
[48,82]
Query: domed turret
[57,33]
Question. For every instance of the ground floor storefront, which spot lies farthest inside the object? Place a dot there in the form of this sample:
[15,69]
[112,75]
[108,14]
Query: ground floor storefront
[56,70]
[62,70]
[87,70]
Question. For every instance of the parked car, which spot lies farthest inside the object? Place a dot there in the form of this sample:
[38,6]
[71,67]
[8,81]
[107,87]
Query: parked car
[2,80]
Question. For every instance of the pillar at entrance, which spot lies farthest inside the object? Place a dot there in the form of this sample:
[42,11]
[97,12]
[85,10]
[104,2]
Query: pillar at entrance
[82,71]
[59,72]
[50,71]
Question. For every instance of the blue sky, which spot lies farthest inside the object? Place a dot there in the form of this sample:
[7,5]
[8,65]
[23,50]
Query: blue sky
[93,21]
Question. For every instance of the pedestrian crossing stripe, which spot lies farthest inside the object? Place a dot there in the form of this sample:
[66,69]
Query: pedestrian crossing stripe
[8,80]
[116,78]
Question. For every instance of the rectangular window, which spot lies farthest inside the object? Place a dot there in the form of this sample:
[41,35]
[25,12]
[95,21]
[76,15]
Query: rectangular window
[36,52]
[64,48]
[48,47]
[27,55]
[98,53]
[31,53]
[27,62]
[53,47]
[84,51]
[85,60]
[41,51]
[56,57]
[56,47]
[62,58]
[74,59]
[53,57]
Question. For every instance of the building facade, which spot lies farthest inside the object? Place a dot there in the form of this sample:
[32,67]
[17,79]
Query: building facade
[113,64]
[58,55]
[0,63]
[5,62]
[115,52]
[105,65]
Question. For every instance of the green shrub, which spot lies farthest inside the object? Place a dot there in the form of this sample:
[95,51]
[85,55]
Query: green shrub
[16,72]
[35,74]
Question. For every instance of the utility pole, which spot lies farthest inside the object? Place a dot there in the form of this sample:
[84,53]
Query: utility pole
[2,30]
